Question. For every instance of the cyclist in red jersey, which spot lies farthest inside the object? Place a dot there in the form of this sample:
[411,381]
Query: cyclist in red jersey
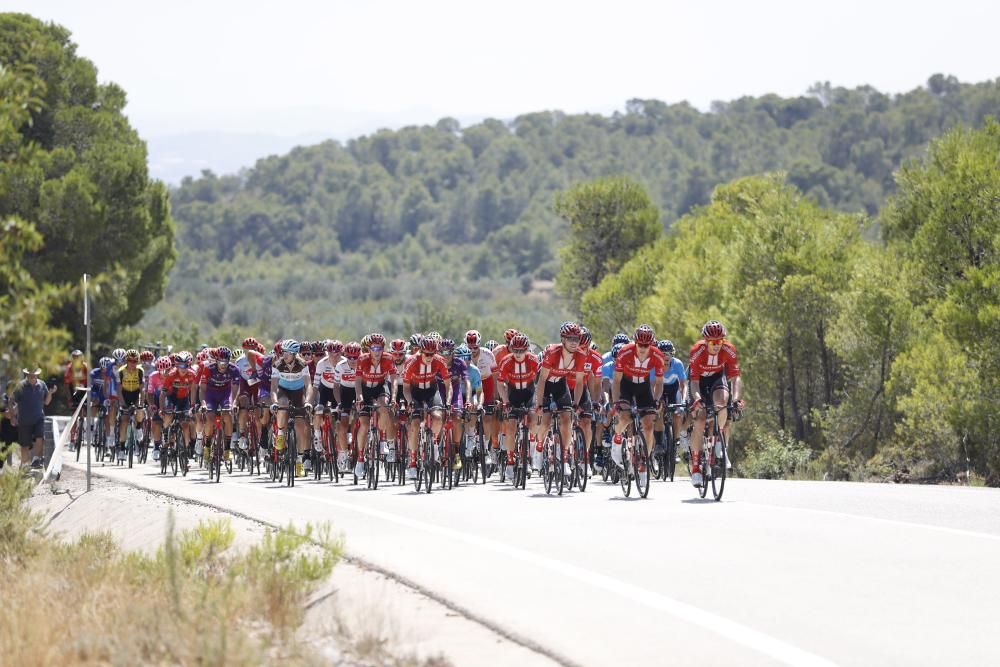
[592,388]
[499,353]
[420,389]
[559,361]
[516,376]
[374,368]
[631,384]
[178,390]
[713,373]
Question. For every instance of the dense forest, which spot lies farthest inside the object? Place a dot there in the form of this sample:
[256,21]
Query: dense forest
[359,234]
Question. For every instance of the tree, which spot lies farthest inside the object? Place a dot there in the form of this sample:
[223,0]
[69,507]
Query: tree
[82,179]
[609,219]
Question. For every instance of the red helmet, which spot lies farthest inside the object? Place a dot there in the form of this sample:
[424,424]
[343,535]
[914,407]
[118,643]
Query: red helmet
[519,343]
[376,339]
[203,355]
[713,329]
[397,346]
[585,337]
[352,350]
[472,338]
[509,334]
[164,364]
[277,348]
[334,347]
[569,329]
[249,343]
[146,356]
[644,335]
[430,344]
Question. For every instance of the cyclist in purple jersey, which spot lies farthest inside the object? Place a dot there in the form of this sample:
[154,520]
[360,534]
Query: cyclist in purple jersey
[458,373]
[220,382]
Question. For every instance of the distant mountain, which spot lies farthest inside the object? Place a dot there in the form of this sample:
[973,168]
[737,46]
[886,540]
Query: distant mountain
[174,156]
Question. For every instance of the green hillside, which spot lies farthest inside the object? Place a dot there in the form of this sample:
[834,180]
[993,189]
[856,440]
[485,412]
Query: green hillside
[356,234]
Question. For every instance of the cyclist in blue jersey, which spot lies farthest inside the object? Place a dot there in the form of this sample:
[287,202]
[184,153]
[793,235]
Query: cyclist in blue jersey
[474,399]
[104,391]
[291,386]
[674,391]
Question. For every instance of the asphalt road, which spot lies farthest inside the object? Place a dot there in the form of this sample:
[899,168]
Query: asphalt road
[802,573]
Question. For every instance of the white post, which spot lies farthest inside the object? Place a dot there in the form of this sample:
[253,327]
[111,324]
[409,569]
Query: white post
[90,367]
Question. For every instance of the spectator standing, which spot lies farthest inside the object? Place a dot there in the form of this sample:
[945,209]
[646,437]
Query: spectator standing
[29,400]
[8,431]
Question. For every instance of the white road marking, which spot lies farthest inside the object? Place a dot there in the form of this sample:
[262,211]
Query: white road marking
[737,632]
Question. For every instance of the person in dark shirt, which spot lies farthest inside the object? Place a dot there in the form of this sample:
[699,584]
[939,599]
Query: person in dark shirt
[29,400]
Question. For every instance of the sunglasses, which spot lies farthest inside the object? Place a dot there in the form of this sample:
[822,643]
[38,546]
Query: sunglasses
[376,348]
[642,345]
[519,352]
[714,341]
[571,339]
[307,354]
[350,357]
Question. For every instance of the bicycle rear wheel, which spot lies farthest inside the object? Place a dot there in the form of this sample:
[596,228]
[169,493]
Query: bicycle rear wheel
[625,473]
[372,456]
[582,465]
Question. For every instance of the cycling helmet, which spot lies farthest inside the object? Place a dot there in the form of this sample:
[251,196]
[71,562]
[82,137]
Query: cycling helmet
[491,345]
[291,346]
[223,353]
[644,335]
[238,354]
[713,329]
[397,346]
[585,337]
[204,355]
[447,346]
[131,355]
[146,356]
[375,340]
[249,343]
[430,344]
[435,335]
[519,343]
[365,343]
[509,334]
[615,349]
[473,338]
[118,355]
[163,364]
[107,363]
[334,347]
[621,338]
[76,353]
[665,346]
[184,358]
[317,348]
[415,340]
[352,350]
[463,352]
[173,357]
[569,329]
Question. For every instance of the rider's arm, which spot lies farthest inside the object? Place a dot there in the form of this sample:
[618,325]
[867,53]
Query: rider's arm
[578,388]
[274,388]
[658,388]
[737,388]
[407,394]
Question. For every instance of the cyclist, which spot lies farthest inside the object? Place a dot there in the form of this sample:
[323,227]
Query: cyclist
[714,371]
[324,382]
[414,344]
[75,378]
[220,384]
[154,387]
[178,391]
[374,369]
[607,375]
[620,338]
[560,360]
[486,363]
[674,388]
[420,390]
[131,381]
[397,348]
[247,361]
[631,384]
[345,378]
[202,360]
[291,388]
[104,391]
[591,391]
[459,374]
[516,376]
[474,399]
[501,351]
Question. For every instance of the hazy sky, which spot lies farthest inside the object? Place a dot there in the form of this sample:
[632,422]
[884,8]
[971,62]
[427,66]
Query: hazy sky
[343,68]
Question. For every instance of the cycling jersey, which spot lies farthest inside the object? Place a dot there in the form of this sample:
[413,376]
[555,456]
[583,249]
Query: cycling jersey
[608,370]
[155,383]
[373,373]
[500,352]
[475,379]
[343,374]
[247,368]
[76,373]
[703,363]
[459,371]
[102,385]
[554,359]
[519,374]
[292,376]
[421,373]
[635,369]
[179,382]
[486,362]
[326,375]
[591,368]
[130,380]
[218,379]
[675,372]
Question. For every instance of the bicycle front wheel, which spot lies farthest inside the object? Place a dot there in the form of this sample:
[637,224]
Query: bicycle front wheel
[640,465]
[719,467]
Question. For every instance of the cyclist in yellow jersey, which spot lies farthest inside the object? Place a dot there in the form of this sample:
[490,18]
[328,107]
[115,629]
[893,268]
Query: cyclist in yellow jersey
[130,384]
